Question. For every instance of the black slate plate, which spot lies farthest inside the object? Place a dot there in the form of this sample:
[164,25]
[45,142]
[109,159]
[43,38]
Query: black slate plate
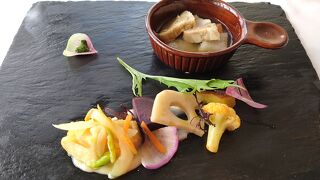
[40,87]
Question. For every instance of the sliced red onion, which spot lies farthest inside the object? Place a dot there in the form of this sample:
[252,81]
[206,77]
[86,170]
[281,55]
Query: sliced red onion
[74,42]
[243,94]
[151,158]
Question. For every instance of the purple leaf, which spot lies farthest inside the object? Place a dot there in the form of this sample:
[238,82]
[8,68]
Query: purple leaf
[142,107]
[243,94]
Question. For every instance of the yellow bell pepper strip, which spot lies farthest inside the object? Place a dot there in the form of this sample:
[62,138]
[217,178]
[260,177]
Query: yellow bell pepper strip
[88,115]
[104,120]
[105,159]
[111,147]
[126,125]
[77,125]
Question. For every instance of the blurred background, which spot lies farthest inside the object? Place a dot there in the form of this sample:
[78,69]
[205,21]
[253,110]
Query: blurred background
[304,16]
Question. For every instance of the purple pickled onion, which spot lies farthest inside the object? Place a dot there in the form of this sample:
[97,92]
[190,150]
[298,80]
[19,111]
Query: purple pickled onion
[243,94]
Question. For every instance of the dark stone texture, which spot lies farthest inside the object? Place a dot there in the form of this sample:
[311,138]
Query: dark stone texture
[39,87]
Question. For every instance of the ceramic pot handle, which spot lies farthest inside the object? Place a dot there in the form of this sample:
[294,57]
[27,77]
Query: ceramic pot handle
[267,35]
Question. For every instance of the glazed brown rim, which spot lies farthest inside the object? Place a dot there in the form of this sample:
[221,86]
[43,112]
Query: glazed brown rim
[196,54]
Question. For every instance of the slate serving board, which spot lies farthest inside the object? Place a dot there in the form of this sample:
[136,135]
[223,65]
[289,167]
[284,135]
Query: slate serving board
[39,87]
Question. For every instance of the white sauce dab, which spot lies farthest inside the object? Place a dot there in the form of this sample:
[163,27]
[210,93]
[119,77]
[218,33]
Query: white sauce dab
[105,170]
[102,170]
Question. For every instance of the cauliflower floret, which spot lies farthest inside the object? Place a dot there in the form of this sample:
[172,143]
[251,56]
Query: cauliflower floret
[223,117]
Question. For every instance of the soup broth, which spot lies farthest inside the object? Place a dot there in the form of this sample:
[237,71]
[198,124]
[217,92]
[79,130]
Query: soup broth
[188,32]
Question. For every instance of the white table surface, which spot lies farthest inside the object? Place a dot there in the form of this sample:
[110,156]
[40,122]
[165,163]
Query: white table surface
[304,16]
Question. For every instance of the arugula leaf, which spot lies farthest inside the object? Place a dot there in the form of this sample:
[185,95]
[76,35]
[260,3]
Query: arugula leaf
[136,78]
[182,85]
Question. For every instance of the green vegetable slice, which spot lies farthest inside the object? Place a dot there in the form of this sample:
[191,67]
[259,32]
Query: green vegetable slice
[182,85]
[105,159]
[111,147]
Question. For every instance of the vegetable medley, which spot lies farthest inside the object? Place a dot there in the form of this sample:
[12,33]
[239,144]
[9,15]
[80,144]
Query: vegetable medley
[150,133]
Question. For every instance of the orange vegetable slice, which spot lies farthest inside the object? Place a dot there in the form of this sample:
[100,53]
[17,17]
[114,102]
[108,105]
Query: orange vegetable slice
[153,139]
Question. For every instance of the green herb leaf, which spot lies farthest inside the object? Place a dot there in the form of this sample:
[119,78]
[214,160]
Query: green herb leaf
[83,47]
[182,85]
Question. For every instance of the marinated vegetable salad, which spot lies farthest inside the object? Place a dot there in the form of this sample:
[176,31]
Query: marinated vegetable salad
[149,134]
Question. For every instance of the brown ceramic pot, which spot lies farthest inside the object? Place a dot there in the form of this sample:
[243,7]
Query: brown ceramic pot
[262,34]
